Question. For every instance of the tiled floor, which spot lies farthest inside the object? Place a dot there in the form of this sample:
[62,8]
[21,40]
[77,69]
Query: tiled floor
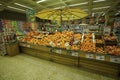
[25,67]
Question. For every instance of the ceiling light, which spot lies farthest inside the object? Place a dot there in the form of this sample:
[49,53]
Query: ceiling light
[85,9]
[78,4]
[59,7]
[101,7]
[0,4]
[116,13]
[23,5]
[15,8]
[103,14]
[40,1]
[99,0]
[93,14]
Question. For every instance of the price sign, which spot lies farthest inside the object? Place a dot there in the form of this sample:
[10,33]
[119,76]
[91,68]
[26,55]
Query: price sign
[86,30]
[100,57]
[89,55]
[59,51]
[28,45]
[23,44]
[74,53]
[30,15]
[107,30]
[114,59]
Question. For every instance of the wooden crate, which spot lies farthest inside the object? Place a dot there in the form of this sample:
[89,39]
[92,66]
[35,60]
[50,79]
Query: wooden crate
[65,59]
[12,49]
[103,67]
[36,53]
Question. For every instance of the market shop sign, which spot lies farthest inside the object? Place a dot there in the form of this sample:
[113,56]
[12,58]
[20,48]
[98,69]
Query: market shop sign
[30,15]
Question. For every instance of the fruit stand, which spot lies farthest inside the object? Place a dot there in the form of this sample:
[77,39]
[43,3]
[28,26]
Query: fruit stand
[88,51]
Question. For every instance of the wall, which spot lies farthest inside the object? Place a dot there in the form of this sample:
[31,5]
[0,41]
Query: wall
[10,15]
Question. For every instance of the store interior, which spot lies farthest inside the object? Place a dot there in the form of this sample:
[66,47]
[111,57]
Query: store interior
[59,39]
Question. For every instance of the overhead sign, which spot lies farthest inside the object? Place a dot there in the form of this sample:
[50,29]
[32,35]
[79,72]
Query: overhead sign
[30,15]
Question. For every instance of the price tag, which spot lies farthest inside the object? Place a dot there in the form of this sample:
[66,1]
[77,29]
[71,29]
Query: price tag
[89,55]
[66,44]
[23,44]
[107,30]
[86,30]
[100,57]
[52,44]
[74,53]
[28,45]
[114,59]
[59,51]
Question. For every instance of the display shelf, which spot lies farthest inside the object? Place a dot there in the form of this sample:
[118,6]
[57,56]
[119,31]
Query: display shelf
[12,48]
[2,45]
[60,51]
[103,63]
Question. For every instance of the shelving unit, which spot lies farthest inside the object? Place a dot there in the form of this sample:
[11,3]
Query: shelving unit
[101,63]
[2,45]
[8,43]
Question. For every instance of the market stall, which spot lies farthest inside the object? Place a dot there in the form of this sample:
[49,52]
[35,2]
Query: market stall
[81,50]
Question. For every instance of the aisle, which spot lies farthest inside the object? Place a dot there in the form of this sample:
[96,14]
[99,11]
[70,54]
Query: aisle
[25,67]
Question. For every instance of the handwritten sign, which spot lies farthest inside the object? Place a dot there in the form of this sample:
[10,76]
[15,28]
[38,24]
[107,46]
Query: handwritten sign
[74,53]
[100,57]
[59,51]
[89,55]
[115,59]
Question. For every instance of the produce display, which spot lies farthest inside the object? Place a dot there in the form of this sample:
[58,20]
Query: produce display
[99,41]
[109,37]
[70,40]
[58,39]
[88,45]
[100,50]
[112,50]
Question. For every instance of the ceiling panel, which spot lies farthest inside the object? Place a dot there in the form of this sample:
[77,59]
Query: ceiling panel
[51,4]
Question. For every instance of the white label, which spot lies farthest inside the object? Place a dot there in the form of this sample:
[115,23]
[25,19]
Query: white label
[75,41]
[86,30]
[100,57]
[115,59]
[89,55]
[23,44]
[51,43]
[58,44]
[107,30]
[74,53]
[66,44]
[28,45]
[58,51]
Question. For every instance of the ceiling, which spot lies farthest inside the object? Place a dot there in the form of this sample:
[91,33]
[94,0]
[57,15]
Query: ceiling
[90,6]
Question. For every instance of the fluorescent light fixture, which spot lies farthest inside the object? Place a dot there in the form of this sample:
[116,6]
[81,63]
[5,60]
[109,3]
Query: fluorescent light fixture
[15,8]
[78,4]
[0,4]
[99,0]
[23,5]
[103,14]
[59,7]
[40,1]
[93,14]
[116,13]
[85,9]
[101,7]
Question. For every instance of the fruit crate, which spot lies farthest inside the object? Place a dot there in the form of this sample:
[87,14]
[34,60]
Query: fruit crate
[108,42]
[111,40]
